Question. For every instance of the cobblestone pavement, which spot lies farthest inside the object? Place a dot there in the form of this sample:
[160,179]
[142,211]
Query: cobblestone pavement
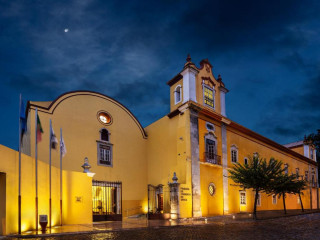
[296,227]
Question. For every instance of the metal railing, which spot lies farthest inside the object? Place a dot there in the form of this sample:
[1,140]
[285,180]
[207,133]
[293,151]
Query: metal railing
[212,158]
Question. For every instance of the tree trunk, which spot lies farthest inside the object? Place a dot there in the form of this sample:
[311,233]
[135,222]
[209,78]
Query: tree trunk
[255,204]
[301,202]
[284,203]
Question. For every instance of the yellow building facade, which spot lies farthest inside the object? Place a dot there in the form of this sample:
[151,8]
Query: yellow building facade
[177,167]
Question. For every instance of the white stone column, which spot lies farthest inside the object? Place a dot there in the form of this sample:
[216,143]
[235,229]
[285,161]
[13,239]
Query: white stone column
[225,169]
[223,92]
[189,84]
[195,165]
[306,150]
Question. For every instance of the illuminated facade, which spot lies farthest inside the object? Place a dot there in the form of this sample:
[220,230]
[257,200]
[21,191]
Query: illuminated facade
[176,167]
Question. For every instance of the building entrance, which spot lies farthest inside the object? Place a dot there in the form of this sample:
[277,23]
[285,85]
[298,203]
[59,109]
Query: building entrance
[107,201]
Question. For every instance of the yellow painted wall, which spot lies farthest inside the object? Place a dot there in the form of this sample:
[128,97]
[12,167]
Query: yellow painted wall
[247,146]
[75,184]
[168,151]
[299,149]
[76,114]
[211,205]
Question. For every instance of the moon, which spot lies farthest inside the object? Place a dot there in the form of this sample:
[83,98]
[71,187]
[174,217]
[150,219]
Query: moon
[66,30]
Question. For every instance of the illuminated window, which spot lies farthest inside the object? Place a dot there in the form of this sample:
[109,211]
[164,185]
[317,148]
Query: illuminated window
[274,199]
[177,94]
[211,189]
[104,118]
[208,96]
[243,198]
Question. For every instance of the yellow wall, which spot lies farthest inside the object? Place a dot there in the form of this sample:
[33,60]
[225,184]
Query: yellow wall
[75,184]
[247,146]
[211,205]
[76,114]
[168,148]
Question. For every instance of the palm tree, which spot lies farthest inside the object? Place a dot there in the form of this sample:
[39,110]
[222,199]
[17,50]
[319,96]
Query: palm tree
[297,189]
[257,174]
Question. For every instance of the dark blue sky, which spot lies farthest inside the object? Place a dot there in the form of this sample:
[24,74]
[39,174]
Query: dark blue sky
[266,51]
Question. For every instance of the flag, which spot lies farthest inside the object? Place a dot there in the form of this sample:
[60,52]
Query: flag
[63,149]
[39,129]
[53,138]
[23,119]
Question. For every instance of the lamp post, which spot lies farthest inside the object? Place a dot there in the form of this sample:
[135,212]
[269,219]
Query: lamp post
[86,168]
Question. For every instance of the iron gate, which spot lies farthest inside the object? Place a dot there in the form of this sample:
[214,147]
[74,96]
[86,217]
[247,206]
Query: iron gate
[107,201]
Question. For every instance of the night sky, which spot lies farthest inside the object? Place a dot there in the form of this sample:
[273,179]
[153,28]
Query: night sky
[267,53]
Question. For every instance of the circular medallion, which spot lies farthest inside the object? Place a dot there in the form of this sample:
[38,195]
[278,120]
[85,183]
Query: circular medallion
[104,117]
[211,189]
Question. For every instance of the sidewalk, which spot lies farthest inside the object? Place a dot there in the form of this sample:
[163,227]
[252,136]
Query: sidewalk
[142,222]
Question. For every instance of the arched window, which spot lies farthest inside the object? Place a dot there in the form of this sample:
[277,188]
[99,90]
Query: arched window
[104,135]
[177,94]
[234,154]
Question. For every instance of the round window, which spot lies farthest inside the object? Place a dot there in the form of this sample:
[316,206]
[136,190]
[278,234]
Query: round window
[104,118]
[211,189]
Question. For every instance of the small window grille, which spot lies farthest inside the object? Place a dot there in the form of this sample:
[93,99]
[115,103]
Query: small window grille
[208,97]
[211,189]
[234,154]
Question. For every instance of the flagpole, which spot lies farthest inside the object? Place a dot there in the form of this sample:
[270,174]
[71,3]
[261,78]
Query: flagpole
[50,137]
[60,178]
[36,159]
[19,196]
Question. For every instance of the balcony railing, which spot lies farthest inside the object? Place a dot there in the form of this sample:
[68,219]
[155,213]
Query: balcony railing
[212,158]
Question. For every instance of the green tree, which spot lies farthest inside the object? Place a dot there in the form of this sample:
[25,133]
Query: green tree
[281,185]
[256,175]
[298,187]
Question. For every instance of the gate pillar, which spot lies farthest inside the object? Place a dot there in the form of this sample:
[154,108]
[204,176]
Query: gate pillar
[174,197]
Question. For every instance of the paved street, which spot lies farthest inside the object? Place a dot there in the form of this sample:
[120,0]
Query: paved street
[297,227]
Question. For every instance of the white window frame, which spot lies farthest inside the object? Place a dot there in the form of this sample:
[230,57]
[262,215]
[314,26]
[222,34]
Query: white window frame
[286,167]
[274,199]
[234,148]
[212,125]
[101,144]
[259,200]
[176,93]
[245,198]
[213,95]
